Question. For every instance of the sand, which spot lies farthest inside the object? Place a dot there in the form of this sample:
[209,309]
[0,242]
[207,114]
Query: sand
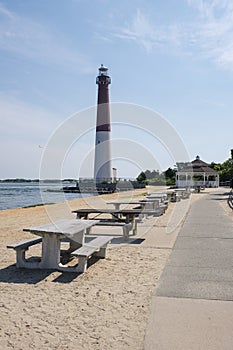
[107,307]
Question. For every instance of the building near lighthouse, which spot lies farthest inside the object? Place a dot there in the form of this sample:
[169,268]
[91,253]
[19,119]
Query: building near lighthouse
[103,163]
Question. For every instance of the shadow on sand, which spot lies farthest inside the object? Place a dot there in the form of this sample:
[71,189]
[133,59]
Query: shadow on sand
[12,274]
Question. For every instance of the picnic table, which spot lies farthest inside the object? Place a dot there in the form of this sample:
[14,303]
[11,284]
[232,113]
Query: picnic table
[176,194]
[51,235]
[161,196]
[151,202]
[117,205]
[121,215]
[127,218]
[148,203]
[183,192]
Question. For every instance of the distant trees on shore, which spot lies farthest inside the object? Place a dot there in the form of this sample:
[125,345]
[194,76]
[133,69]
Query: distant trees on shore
[168,177]
[225,170]
[154,177]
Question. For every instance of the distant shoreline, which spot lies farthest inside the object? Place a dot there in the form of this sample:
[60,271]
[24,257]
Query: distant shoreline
[19,180]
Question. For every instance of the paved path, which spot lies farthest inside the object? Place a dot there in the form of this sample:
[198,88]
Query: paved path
[193,306]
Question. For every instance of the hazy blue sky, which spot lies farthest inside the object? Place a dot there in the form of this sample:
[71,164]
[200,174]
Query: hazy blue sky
[174,57]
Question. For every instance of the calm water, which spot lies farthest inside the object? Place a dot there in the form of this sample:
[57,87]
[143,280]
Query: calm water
[15,195]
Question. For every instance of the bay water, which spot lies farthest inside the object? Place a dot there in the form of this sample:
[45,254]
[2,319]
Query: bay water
[25,194]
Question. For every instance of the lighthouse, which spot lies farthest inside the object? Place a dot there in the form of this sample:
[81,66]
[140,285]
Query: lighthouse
[103,164]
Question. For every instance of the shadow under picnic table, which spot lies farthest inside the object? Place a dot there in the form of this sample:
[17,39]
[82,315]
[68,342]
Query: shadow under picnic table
[12,274]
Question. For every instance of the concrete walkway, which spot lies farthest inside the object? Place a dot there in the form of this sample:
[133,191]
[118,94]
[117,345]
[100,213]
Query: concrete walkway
[193,306]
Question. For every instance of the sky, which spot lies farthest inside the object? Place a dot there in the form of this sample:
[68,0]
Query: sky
[172,57]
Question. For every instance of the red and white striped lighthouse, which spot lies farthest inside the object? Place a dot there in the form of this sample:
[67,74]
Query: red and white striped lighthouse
[103,163]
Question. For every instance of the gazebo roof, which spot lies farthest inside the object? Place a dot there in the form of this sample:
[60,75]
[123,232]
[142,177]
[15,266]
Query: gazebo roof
[198,166]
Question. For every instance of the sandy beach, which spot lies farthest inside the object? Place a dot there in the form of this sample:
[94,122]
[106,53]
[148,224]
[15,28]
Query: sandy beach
[107,307]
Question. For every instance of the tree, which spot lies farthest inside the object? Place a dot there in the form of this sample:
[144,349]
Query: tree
[154,177]
[170,173]
[152,174]
[141,177]
[225,170]
[170,176]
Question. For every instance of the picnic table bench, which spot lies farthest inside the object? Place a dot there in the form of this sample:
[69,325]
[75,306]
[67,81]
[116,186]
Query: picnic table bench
[51,235]
[96,247]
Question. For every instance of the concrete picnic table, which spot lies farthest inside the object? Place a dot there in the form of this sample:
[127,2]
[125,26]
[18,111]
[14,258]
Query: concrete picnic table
[118,204]
[184,192]
[175,194]
[51,235]
[123,215]
[151,202]
[123,218]
[127,218]
[146,203]
[160,195]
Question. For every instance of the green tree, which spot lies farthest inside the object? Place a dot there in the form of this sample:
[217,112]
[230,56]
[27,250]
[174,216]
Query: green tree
[141,177]
[225,170]
[170,176]
[170,173]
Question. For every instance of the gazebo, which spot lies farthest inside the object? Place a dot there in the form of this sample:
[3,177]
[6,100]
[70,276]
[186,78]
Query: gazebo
[196,174]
